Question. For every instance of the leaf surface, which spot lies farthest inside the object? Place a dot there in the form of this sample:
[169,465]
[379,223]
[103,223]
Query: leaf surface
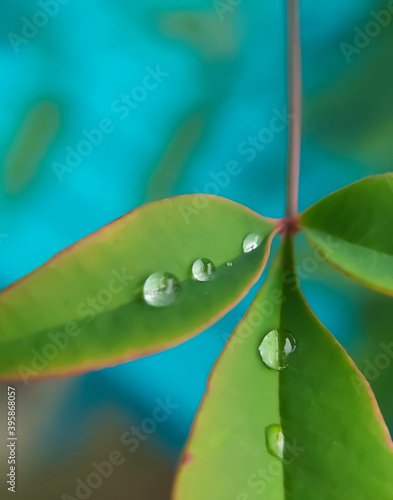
[337,446]
[84,308]
[353,229]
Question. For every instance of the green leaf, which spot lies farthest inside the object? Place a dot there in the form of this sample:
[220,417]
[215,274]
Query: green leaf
[336,443]
[353,229]
[363,140]
[25,156]
[85,309]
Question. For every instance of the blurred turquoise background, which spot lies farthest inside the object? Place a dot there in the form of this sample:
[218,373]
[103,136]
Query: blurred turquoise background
[218,73]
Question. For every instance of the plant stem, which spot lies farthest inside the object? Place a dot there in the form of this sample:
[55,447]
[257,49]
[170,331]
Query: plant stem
[294,78]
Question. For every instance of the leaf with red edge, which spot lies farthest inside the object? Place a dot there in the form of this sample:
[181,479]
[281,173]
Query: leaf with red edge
[84,308]
[353,229]
[318,412]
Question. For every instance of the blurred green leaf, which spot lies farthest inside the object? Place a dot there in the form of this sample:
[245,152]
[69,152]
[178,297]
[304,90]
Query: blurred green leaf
[215,38]
[85,307]
[351,114]
[374,355]
[353,229]
[174,158]
[30,145]
[335,443]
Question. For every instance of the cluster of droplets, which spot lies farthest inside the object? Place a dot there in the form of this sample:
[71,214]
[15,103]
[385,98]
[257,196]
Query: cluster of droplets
[277,347]
[276,350]
[162,288]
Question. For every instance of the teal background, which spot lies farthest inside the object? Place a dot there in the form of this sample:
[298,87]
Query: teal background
[226,80]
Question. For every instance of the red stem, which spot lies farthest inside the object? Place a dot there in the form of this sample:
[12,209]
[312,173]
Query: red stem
[294,107]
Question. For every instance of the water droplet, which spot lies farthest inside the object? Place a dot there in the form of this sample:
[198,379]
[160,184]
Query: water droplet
[229,264]
[251,242]
[203,270]
[275,441]
[276,349]
[161,289]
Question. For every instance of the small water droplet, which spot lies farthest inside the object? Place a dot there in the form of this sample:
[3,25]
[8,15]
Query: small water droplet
[161,289]
[251,242]
[275,441]
[229,264]
[276,349]
[203,270]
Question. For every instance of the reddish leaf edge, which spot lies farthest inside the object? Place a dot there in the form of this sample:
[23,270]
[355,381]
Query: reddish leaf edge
[352,277]
[388,177]
[142,353]
[132,213]
[187,456]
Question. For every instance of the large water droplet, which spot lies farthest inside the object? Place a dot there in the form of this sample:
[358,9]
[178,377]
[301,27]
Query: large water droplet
[275,441]
[251,242]
[203,270]
[161,289]
[229,264]
[276,349]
